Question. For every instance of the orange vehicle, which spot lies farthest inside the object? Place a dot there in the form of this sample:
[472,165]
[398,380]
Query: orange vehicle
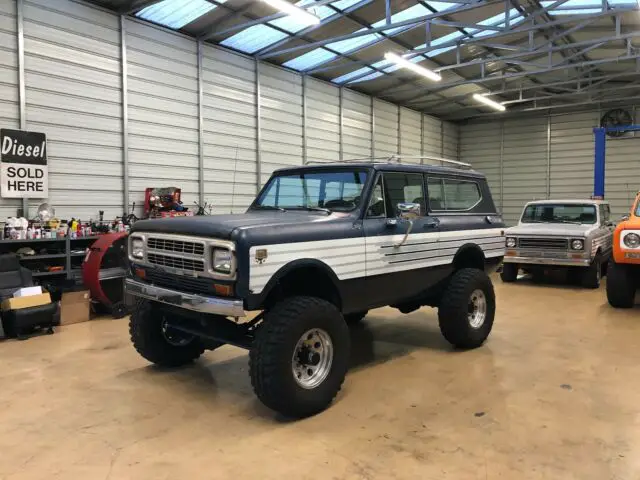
[623,273]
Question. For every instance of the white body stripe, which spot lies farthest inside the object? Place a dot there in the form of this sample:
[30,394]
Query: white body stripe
[365,256]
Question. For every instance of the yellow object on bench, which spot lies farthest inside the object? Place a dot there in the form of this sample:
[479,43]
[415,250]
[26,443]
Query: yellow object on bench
[26,302]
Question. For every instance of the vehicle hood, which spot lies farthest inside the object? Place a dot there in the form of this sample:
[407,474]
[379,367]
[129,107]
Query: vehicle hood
[546,229]
[227,226]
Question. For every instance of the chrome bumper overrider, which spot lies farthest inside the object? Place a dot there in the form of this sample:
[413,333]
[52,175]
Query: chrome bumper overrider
[199,303]
[563,262]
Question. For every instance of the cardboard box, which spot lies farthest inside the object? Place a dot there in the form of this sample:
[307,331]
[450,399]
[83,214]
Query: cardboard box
[75,307]
[27,291]
[26,302]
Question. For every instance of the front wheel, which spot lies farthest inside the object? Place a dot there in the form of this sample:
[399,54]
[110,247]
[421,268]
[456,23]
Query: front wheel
[154,338]
[593,274]
[467,309]
[509,272]
[300,356]
[621,286]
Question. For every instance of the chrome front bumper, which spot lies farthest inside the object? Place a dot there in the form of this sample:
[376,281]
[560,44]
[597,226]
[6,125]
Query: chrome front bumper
[198,303]
[562,262]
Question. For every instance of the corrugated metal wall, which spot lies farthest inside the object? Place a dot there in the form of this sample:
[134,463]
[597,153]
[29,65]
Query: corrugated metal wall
[73,94]
[9,97]
[356,124]
[323,121]
[549,157]
[410,134]
[74,63]
[385,133]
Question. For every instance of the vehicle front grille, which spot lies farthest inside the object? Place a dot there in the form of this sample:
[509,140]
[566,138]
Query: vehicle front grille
[179,282]
[175,246]
[544,243]
[179,263]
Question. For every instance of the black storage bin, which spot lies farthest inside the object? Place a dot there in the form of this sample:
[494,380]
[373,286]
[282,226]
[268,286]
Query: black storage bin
[25,321]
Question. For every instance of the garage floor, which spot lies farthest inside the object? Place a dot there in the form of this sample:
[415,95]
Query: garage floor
[554,394]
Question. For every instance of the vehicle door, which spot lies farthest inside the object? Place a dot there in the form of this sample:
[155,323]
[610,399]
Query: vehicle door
[464,215]
[396,262]
[604,237]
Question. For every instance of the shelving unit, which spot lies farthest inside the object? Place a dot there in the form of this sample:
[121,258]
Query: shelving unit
[68,257]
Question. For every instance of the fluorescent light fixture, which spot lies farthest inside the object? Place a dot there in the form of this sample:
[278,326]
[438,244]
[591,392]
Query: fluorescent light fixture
[298,13]
[489,102]
[403,62]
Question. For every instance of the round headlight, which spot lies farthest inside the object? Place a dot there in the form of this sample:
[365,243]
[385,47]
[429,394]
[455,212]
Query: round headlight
[221,261]
[577,244]
[511,242]
[137,248]
[631,240]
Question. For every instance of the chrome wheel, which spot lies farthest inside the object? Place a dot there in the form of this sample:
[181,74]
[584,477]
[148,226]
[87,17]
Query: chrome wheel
[312,358]
[175,337]
[477,309]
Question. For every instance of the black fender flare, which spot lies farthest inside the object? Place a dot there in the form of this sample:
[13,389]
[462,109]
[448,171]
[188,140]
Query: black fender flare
[469,249]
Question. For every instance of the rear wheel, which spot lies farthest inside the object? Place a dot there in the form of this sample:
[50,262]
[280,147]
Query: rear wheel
[467,309]
[509,272]
[593,274]
[621,286]
[155,339]
[300,356]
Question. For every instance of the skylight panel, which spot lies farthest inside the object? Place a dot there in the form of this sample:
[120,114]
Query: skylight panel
[577,7]
[257,37]
[315,57]
[176,13]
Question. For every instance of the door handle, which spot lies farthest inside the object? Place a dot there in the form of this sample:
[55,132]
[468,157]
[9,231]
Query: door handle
[432,223]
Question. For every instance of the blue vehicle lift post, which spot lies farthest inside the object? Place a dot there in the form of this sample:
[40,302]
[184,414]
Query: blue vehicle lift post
[601,147]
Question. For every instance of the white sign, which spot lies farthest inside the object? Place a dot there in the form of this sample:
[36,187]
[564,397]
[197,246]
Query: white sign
[24,172]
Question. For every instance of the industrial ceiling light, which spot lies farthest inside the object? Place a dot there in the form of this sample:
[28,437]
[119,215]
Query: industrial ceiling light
[298,13]
[489,102]
[403,62]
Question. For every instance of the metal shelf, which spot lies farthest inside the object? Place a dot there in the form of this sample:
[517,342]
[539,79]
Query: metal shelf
[35,240]
[105,273]
[78,254]
[47,274]
[42,257]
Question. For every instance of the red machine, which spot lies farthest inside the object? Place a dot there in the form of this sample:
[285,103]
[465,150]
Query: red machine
[103,271]
[157,200]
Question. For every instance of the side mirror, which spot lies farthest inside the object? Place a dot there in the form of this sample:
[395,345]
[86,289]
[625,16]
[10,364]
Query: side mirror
[608,223]
[408,212]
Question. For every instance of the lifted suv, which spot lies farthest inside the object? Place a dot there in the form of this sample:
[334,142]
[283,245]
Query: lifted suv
[623,274]
[319,247]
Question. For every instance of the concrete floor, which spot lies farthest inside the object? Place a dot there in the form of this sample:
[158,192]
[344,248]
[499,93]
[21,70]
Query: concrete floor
[554,394]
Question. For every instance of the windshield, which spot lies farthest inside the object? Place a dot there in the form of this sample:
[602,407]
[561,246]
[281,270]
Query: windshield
[337,190]
[560,213]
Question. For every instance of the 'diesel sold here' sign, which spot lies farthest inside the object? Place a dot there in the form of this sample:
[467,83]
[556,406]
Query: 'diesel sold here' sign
[23,169]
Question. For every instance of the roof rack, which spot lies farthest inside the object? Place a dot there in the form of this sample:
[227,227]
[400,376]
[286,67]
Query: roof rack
[395,158]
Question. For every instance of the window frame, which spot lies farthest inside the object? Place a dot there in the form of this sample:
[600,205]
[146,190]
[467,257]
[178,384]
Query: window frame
[442,179]
[378,177]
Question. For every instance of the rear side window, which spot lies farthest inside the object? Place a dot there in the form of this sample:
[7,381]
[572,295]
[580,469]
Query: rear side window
[449,194]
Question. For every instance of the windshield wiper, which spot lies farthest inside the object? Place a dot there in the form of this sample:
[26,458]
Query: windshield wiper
[268,207]
[568,221]
[315,209]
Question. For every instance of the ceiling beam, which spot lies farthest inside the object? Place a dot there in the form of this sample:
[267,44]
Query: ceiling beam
[405,23]
[133,6]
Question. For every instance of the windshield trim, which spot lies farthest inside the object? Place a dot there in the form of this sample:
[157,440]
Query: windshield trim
[564,204]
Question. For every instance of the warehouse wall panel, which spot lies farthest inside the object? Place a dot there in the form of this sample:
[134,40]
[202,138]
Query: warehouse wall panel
[450,136]
[570,160]
[229,130]
[432,136]
[385,135]
[410,134]
[73,84]
[480,145]
[356,130]
[162,72]
[281,119]
[323,121]
[73,94]
[9,94]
